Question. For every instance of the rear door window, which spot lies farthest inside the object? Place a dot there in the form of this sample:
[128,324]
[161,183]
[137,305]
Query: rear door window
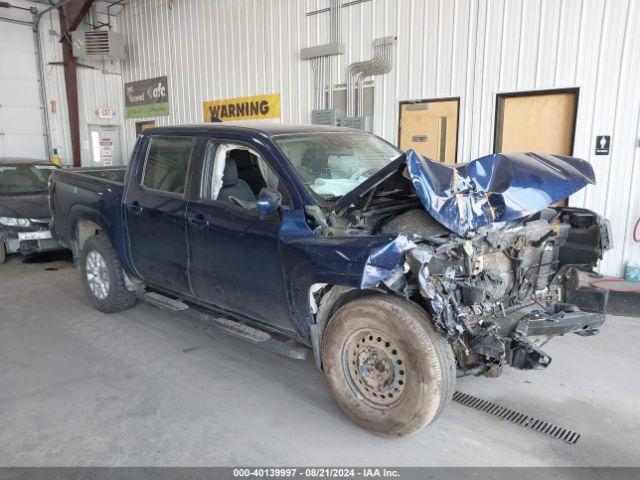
[167,163]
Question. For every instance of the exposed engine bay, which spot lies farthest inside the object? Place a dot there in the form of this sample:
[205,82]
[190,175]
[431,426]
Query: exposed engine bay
[497,294]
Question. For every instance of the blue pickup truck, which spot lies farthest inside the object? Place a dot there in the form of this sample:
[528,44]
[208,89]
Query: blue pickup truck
[398,272]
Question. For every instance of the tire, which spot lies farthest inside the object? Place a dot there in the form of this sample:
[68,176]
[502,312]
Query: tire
[103,277]
[387,367]
[3,252]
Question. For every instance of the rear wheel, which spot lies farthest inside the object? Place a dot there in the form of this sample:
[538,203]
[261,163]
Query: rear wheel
[103,276]
[388,368]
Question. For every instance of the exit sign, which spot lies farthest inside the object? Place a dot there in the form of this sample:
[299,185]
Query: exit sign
[105,113]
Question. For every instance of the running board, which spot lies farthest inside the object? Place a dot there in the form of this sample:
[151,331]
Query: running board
[232,327]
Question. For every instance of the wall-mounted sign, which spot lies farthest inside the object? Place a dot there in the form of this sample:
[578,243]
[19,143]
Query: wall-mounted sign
[105,113]
[243,108]
[146,98]
[603,144]
[106,152]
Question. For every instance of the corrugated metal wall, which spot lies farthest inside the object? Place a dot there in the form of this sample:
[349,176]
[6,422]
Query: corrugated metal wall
[99,85]
[472,49]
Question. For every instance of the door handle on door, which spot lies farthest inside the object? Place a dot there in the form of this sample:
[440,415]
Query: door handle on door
[134,208]
[198,221]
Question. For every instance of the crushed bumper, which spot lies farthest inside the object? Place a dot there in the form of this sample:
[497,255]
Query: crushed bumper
[582,323]
[520,349]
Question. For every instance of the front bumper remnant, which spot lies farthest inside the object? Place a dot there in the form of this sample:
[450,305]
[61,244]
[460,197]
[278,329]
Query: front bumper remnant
[524,355]
[521,347]
[582,323]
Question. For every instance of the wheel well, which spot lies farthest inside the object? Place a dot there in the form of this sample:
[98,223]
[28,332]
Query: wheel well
[82,230]
[334,297]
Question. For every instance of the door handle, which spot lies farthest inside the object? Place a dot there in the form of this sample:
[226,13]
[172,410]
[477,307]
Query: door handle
[198,221]
[135,208]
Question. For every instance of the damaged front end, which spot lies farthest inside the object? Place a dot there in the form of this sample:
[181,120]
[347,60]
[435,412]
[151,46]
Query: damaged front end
[498,298]
[497,268]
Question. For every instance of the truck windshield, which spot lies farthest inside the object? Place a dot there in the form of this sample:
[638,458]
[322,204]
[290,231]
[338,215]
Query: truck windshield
[334,163]
[24,179]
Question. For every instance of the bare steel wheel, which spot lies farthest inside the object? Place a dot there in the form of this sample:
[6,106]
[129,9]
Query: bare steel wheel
[97,274]
[103,278]
[376,367]
[387,367]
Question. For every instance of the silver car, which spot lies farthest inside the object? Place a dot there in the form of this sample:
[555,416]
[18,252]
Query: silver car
[24,207]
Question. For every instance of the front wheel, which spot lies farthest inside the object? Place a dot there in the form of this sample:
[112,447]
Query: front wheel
[103,276]
[388,368]
[3,252]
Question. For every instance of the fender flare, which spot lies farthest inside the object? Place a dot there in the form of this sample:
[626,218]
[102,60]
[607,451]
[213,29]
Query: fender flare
[334,298]
[78,214]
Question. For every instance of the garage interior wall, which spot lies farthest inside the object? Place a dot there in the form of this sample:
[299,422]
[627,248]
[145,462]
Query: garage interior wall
[471,49]
[99,85]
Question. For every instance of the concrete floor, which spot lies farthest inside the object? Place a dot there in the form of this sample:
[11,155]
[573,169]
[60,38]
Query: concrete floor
[145,387]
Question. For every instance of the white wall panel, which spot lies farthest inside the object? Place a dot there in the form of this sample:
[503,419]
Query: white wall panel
[473,49]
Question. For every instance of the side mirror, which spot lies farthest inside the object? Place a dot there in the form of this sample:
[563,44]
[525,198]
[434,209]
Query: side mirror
[269,201]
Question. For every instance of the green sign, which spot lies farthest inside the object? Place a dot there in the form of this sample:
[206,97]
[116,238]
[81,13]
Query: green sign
[146,98]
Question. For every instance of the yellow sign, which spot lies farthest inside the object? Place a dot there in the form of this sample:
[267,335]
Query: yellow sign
[243,108]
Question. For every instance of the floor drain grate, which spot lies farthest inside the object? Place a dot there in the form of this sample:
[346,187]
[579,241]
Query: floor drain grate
[518,418]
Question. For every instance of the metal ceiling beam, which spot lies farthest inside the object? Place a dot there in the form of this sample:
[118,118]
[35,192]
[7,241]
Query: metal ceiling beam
[75,11]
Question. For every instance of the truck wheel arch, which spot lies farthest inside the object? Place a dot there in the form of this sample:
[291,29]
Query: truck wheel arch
[81,230]
[334,297]
[83,223]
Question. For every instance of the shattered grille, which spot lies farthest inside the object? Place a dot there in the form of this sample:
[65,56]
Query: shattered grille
[526,421]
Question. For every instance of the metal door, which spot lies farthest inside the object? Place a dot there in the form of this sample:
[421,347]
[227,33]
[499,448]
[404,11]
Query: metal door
[22,132]
[542,122]
[430,127]
[104,142]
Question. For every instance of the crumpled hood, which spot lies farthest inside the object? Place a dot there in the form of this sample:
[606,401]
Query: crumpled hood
[496,188]
[25,206]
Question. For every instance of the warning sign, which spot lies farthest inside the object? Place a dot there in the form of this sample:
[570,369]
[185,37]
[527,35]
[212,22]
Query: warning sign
[243,108]
[106,152]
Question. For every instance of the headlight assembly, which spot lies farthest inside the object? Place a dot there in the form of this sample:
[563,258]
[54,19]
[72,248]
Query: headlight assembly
[15,222]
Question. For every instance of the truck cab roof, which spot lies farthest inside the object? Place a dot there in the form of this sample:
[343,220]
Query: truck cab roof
[263,128]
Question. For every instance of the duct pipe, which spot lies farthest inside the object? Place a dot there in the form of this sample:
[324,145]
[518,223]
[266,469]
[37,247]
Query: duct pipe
[316,82]
[380,65]
[323,64]
[43,88]
[357,73]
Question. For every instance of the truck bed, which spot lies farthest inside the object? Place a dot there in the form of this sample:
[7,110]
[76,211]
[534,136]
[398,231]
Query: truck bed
[90,194]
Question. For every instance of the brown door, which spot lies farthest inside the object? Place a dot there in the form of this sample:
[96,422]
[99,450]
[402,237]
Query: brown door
[430,127]
[142,126]
[536,122]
